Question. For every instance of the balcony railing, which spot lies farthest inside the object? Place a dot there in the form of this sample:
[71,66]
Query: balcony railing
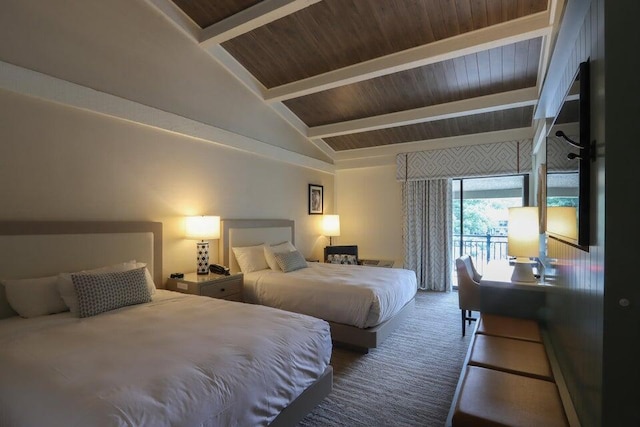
[481,248]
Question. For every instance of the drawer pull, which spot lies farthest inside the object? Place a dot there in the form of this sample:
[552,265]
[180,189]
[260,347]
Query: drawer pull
[221,289]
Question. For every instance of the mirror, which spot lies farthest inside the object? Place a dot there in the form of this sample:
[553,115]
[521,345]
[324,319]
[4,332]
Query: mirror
[569,156]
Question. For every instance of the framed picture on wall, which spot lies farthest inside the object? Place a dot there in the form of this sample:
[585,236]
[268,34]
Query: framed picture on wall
[316,199]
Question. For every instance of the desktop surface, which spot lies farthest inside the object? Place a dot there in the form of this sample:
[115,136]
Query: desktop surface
[498,273]
[499,295]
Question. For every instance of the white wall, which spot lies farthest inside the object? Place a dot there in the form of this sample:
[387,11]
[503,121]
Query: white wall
[58,162]
[129,49]
[62,163]
[369,202]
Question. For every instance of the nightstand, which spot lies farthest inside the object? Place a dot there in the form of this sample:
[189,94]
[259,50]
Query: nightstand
[377,262]
[209,285]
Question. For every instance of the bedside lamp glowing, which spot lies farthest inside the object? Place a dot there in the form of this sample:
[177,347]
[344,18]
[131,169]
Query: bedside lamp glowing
[331,226]
[523,241]
[202,228]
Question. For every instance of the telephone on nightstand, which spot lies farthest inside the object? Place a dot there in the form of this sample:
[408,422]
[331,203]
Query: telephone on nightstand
[219,269]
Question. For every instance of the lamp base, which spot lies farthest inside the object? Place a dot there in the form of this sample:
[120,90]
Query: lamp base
[522,271]
[203,257]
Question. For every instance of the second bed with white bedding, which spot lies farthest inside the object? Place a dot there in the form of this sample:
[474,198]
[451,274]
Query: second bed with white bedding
[353,295]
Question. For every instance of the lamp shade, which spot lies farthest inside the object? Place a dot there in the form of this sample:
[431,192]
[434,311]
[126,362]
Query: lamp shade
[562,220]
[523,236]
[202,227]
[331,225]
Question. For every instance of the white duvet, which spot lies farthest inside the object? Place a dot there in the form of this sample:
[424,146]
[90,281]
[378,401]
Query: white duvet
[355,295]
[180,360]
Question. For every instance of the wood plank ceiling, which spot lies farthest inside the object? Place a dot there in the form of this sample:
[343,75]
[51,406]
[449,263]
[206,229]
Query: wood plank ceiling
[353,74]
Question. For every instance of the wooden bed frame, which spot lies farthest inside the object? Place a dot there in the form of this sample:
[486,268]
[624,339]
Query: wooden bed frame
[247,232]
[40,248]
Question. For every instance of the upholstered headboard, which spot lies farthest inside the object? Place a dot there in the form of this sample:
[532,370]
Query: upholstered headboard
[30,249]
[250,232]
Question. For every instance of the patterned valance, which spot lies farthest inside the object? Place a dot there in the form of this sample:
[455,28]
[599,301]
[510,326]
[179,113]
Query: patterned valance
[500,158]
[557,150]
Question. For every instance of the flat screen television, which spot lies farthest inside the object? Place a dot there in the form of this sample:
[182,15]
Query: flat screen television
[568,165]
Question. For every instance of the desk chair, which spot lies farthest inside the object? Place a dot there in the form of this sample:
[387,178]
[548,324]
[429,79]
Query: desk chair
[468,289]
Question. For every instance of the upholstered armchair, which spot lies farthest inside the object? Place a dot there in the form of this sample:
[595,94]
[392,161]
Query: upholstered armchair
[345,254]
[468,289]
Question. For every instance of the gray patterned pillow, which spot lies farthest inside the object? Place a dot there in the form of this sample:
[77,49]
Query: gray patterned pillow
[100,292]
[290,261]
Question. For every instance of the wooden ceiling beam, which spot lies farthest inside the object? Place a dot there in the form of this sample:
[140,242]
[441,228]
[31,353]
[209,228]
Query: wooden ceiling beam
[465,107]
[249,19]
[509,32]
[555,8]
[177,16]
[30,83]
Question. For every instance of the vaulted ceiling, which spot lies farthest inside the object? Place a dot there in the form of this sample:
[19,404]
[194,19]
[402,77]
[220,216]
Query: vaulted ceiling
[353,74]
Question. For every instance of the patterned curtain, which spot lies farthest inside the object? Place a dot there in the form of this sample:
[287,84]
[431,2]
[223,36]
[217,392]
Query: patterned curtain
[427,232]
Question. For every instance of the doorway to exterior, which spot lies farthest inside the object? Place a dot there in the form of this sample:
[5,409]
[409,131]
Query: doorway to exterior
[480,216]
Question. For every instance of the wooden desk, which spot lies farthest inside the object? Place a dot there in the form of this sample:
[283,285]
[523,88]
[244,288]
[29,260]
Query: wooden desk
[499,295]
[498,273]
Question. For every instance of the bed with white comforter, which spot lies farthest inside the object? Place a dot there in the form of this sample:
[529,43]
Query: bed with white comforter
[179,360]
[355,295]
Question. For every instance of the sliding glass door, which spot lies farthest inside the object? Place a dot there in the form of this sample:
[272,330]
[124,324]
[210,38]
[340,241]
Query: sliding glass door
[480,214]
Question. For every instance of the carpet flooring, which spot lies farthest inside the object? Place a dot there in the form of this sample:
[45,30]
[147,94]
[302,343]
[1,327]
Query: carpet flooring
[408,381]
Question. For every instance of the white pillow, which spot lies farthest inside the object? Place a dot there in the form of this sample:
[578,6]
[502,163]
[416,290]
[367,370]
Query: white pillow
[34,297]
[270,251]
[250,258]
[147,277]
[68,292]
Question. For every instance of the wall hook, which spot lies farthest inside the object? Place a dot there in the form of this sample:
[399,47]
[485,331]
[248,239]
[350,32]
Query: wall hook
[569,141]
[589,152]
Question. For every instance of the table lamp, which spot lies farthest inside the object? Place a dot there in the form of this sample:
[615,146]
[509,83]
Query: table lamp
[523,241]
[202,228]
[331,226]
